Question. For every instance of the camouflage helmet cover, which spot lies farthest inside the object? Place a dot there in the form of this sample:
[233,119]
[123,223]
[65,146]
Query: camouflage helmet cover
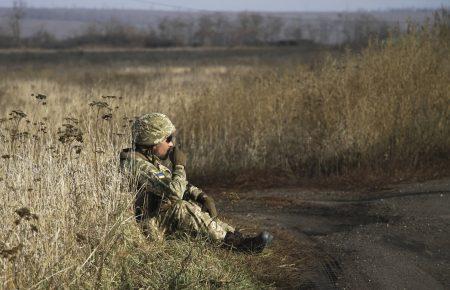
[151,129]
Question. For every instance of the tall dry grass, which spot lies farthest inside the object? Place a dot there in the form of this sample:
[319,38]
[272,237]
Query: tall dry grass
[384,109]
[66,220]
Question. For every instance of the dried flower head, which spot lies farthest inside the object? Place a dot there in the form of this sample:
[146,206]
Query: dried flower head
[20,135]
[10,254]
[25,213]
[69,133]
[77,149]
[17,114]
[99,104]
[40,97]
[107,117]
[80,238]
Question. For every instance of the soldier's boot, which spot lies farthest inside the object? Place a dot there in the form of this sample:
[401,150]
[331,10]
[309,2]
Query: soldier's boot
[255,244]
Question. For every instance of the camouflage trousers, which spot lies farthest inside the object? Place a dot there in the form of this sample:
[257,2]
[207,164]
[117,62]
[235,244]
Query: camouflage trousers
[187,217]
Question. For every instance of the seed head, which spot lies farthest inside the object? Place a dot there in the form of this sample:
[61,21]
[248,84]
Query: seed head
[99,104]
[10,254]
[40,97]
[69,133]
[23,212]
[17,114]
[77,149]
[107,117]
[80,238]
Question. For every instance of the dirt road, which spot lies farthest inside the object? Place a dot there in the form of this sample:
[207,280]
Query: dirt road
[394,238]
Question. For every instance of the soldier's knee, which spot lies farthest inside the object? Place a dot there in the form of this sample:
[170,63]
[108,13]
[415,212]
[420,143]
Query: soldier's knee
[180,206]
[187,208]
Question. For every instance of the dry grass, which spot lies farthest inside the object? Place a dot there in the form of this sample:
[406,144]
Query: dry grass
[67,223]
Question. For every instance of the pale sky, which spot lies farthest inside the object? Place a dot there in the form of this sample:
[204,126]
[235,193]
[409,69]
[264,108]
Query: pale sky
[239,5]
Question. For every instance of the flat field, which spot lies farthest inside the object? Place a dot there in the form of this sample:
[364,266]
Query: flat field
[277,114]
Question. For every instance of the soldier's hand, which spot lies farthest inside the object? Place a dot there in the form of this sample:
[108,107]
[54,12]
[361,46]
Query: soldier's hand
[178,157]
[209,204]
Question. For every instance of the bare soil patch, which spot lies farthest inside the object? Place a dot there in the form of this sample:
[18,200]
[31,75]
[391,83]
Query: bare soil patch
[394,238]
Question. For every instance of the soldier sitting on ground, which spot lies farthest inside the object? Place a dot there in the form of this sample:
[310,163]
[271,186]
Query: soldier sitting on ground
[165,201]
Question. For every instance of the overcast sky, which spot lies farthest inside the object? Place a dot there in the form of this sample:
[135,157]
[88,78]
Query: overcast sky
[240,5]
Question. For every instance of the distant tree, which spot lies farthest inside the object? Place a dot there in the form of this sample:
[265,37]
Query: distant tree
[294,31]
[176,31]
[111,33]
[91,29]
[15,20]
[311,31]
[223,30]
[5,39]
[360,28]
[347,27]
[189,31]
[441,23]
[324,30]
[367,26]
[42,39]
[117,33]
[272,28]
[151,38]
[248,31]
[206,30]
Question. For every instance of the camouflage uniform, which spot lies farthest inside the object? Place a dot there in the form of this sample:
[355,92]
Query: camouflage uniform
[165,202]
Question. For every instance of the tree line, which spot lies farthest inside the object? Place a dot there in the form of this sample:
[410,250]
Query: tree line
[213,29]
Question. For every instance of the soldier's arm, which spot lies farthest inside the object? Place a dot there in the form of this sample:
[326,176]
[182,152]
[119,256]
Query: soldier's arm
[148,176]
[192,192]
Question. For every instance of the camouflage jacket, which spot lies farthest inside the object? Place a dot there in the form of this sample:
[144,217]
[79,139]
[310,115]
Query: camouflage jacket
[156,182]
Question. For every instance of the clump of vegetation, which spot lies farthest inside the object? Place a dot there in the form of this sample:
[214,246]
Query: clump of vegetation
[381,110]
[68,222]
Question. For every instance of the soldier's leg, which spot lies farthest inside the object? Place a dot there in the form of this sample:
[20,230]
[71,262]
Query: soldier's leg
[148,223]
[151,229]
[194,192]
[188,217]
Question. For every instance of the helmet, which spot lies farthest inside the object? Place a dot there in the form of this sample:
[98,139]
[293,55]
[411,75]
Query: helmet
[151,129]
